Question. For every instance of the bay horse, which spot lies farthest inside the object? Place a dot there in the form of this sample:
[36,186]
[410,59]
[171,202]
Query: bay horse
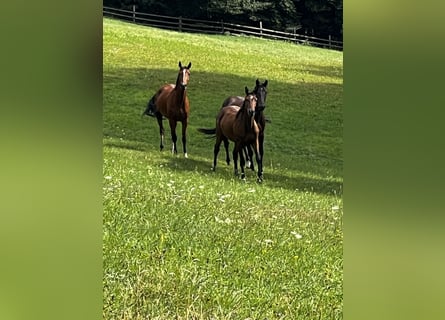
[171,102]
[260,91]
[237,124]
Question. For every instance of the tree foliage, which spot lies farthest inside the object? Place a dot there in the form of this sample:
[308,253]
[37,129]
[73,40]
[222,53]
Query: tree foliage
[315,17]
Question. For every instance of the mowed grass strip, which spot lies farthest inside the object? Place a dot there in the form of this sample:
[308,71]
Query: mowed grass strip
[183,242]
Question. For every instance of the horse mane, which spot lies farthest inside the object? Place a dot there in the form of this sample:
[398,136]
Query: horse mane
[177,84]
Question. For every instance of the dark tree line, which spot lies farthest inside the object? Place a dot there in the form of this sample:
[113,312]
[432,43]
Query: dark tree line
[319,18]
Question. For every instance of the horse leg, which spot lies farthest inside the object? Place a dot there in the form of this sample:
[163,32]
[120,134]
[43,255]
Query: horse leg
[226,146]
[173,133]
[259,161]
[249,157]
[235,158]
[184,138]
[161,130]
[261,148]
[242,163]
[216,151]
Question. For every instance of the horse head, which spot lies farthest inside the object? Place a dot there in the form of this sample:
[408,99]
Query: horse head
[250,102]
[184,75]
[260,91]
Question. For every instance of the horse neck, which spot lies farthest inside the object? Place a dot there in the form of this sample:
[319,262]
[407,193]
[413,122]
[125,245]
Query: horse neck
[258,115]
[180,92]
[245,118]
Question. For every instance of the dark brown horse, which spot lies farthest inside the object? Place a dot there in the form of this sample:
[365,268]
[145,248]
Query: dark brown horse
[171,102]
[238,124]
[260,91]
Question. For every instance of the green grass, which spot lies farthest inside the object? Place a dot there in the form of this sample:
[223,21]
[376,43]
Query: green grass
[183,242]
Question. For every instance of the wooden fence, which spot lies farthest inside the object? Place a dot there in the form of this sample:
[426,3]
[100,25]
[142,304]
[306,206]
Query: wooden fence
[216,27]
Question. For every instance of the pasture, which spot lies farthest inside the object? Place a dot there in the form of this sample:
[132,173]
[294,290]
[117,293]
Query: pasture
[183,242]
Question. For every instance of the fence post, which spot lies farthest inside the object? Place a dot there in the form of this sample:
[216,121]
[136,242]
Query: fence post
[261,29]
[180,23]
[134,13]
[222,27]
[329,41]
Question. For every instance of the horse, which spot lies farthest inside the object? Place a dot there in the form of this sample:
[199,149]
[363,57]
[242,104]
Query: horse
[237,124]
[260,91]
[171,102]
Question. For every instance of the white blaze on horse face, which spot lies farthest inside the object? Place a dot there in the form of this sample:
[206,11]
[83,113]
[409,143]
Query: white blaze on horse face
[184,77]
[253,101]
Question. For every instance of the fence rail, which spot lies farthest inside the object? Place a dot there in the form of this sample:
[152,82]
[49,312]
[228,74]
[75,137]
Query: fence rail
[216,27]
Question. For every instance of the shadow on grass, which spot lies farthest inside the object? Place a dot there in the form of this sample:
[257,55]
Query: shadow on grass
[138,85]
[303,183]
[126,144]
[292,182]
[326,71]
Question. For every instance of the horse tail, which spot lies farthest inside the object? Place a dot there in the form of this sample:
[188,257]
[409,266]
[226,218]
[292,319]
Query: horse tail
[151,107]
[208,131]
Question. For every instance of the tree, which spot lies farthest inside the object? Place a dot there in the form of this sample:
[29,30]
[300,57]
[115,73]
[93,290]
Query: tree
[317,17]
[238,11]
[322,17]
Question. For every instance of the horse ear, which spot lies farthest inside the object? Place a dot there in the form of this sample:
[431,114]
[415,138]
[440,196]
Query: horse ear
[180,64]
[247,91]
[189,65]
[257,82]
[265,83]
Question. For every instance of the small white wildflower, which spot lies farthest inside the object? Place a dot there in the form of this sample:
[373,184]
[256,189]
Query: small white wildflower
[108,177]
[297,235]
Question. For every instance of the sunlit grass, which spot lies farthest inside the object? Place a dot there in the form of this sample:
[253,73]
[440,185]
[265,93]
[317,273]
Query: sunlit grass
[181,241]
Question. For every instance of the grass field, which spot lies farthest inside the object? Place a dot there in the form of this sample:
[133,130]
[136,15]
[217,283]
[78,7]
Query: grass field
[183,242]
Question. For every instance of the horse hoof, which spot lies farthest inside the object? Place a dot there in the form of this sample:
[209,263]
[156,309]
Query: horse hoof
[260,179]
[185,155]
[213,168]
